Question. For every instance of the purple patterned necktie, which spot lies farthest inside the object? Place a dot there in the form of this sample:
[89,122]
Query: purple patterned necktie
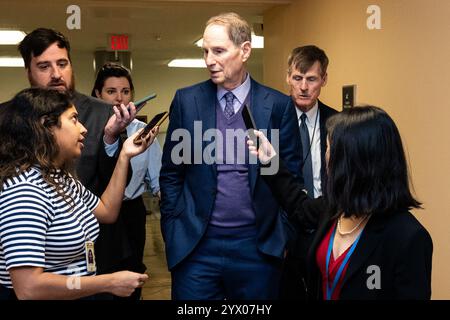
[229,109]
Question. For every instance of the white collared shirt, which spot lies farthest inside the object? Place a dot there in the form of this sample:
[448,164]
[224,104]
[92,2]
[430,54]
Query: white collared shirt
[313,124]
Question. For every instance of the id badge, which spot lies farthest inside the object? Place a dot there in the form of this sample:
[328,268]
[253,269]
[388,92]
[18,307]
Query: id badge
[90,256]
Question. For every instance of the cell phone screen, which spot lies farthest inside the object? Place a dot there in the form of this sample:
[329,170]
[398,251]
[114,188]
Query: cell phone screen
[156,121]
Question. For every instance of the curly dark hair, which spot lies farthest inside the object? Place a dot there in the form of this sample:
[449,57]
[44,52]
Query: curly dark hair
[367,167]
[27,140]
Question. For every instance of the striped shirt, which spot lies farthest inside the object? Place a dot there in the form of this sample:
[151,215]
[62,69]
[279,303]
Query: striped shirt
[38,228]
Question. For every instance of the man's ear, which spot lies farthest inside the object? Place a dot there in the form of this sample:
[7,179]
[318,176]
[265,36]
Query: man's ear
[246,48]
[97,94]
[28,72]
[288,76]
[325,79]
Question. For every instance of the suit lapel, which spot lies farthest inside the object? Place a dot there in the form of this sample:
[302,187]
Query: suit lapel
[323,131]
[261,108]
[366,245]
[205,102]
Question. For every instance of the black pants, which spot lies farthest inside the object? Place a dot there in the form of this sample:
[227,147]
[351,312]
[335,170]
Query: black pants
[134,218]
[7,294]
[293,279]
[121,245]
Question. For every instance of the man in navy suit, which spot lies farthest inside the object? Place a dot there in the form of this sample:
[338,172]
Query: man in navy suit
[224,233]
[307,75]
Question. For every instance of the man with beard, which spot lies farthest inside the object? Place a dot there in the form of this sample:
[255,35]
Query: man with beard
[46,54]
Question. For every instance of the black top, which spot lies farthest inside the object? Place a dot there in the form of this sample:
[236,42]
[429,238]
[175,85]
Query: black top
[391,261]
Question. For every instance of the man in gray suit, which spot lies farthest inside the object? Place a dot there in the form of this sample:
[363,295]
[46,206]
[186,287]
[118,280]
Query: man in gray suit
[46,54]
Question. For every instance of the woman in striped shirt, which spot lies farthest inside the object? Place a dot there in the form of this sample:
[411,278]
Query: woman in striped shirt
[48,220]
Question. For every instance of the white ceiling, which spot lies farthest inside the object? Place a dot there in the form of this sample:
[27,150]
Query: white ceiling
[158,30]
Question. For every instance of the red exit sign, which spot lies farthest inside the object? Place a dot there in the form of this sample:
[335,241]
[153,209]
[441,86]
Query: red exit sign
[118,42]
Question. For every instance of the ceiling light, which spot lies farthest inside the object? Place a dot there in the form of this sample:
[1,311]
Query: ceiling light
[11,62]
[187,63]
[257,42]
[11,36]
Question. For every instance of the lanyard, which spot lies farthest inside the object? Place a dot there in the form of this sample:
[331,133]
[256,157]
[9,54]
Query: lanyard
[341,268]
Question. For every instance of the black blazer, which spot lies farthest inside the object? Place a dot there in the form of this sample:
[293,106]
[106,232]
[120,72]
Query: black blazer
[396,243]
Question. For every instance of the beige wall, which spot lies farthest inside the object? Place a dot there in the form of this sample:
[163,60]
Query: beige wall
[404,67]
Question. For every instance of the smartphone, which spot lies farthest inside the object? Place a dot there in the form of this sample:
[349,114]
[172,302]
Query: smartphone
[156,121]
[250,124]
[141,103]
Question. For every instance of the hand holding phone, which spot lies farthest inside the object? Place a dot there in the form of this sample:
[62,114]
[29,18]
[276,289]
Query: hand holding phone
[141,103]
[156,121]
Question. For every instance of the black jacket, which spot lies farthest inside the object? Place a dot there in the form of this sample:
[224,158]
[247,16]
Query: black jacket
[396,243]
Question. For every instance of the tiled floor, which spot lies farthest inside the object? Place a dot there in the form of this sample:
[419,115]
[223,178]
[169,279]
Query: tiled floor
[158,285]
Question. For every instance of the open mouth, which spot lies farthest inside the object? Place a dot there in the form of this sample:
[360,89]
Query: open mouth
[58,84]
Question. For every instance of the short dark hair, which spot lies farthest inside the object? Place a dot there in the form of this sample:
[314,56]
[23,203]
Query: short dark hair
[367,168]
[25,125]
[36,42]
[109,70]
[302,59]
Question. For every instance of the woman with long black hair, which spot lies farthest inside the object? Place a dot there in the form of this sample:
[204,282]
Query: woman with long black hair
[367,244]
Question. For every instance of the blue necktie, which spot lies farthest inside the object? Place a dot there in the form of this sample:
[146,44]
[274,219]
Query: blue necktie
[229,109]
[307,164]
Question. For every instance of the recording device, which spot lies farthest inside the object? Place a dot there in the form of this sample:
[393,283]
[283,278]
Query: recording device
[250,125]
[141,103]
[156,121]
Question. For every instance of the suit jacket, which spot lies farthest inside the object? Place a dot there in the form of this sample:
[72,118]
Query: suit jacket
[188,190]
[394,247]
[301,238]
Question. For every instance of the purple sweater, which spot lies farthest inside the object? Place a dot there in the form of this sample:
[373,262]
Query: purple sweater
[233,206]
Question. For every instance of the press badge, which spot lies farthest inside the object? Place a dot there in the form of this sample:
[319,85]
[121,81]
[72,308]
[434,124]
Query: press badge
[90,256]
